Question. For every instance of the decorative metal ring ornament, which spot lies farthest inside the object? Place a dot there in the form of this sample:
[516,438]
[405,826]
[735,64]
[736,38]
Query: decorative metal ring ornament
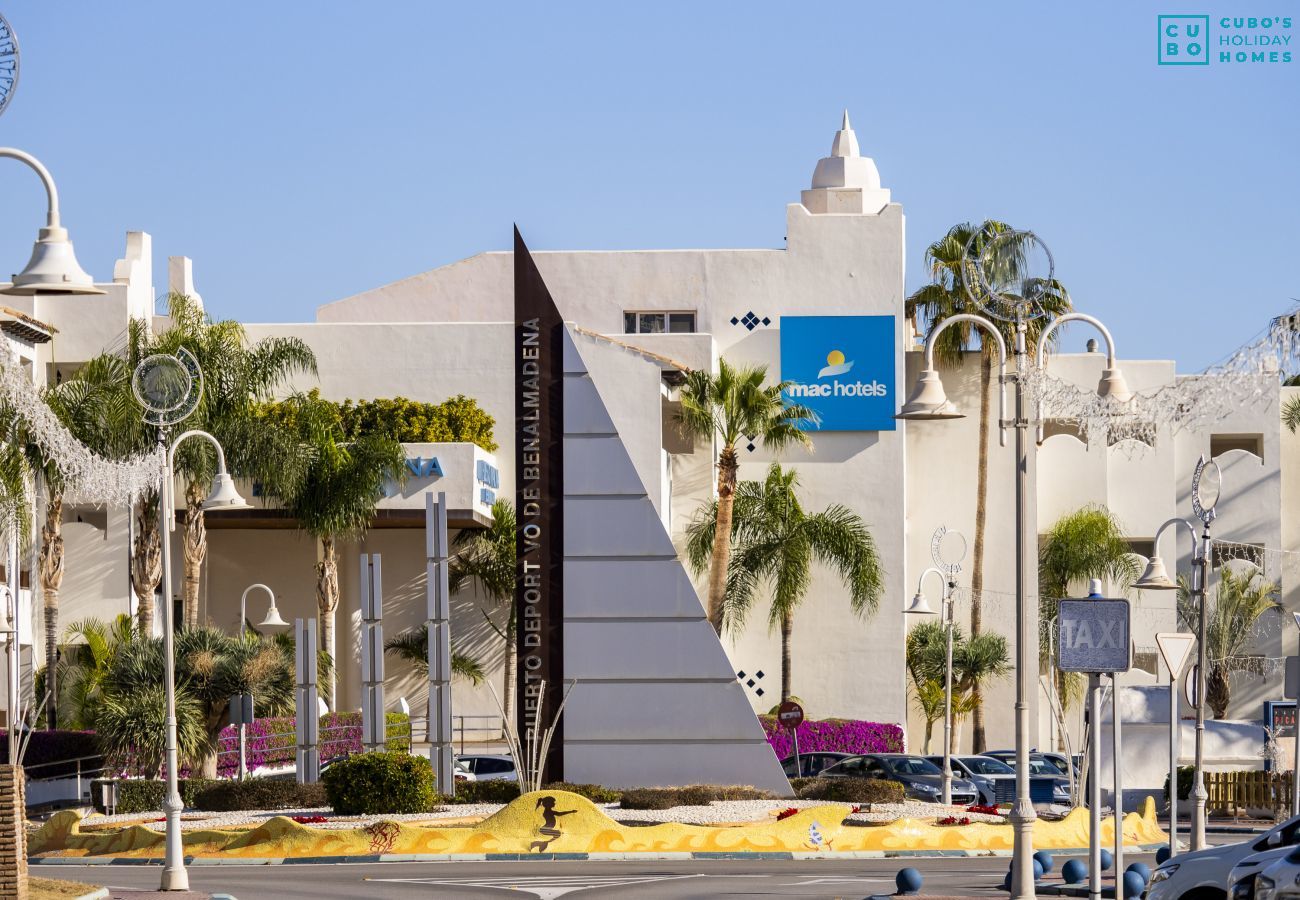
[168,387]
[948,550]
[1205,513]
[8,63]
[1006,297]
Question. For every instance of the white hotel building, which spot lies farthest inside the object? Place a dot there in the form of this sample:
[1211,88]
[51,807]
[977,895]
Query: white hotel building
[639,319]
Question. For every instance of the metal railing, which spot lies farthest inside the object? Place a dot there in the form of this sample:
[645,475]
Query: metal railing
[465,730]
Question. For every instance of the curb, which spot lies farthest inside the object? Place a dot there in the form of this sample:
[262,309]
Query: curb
[556,857]
[100,894]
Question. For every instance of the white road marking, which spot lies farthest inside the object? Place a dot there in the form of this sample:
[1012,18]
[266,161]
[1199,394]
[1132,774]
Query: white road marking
[546,887]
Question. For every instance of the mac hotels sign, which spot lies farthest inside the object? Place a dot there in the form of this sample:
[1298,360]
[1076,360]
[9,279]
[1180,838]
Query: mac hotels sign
[841,367]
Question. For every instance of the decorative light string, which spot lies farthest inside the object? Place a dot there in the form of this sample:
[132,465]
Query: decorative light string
[89,477]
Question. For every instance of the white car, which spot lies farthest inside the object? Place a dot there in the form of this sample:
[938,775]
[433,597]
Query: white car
[1203,874]
[1241,880]
[1281,880]
[488,767]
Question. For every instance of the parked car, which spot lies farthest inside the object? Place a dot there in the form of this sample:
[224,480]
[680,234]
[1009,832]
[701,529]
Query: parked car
[920,778]
[812,763]
[994,779]
[1047,782]
[1280,880]
[1203,874]
[490,768]
[1241,880]
[460,771]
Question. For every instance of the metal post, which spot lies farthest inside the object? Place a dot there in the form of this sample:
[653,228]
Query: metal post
[373,730]
[1173,764]
[1200,575]
[1295,763]
[174,876]
[243,739]
[1094,787]
[441,751]
[308,717]
[947,698]
[1117,765]
[798,766]
[1022,813]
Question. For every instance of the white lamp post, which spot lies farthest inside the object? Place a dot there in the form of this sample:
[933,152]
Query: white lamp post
[1016,303]
[920,606]
[222,496]
[272,619]
[1155,578]
[53,267]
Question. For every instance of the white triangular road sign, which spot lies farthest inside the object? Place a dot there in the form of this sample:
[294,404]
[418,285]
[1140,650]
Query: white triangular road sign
[1175,647]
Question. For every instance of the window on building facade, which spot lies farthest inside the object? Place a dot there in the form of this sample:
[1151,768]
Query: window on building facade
[1052,427]
[1222,443]
[658,322]
[1142,547]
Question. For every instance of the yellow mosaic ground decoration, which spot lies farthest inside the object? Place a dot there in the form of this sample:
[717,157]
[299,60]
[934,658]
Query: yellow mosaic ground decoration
[560,822]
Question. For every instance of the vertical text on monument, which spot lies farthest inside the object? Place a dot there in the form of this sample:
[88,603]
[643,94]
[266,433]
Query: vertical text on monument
[539,499]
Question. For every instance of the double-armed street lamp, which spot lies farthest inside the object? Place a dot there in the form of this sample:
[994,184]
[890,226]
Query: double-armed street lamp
[1155,578]
[948,548]
[995,278]
[222,496]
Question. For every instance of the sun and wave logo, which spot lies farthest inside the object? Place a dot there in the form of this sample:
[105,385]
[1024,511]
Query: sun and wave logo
[835,365]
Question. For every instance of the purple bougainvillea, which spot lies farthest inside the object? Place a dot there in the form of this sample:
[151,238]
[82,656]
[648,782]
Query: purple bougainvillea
[843,735]
[271,740]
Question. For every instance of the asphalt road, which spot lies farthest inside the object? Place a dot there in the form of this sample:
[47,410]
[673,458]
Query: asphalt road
[580,880]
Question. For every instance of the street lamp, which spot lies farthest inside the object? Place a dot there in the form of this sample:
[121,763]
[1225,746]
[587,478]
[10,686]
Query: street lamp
[272,619]
[1005,292]
[222,496]
[919,605]
[1156,578]
[53,267]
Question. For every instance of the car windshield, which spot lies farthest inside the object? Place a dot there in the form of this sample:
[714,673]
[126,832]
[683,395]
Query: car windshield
[1043,767]
[987,765]
[913,765]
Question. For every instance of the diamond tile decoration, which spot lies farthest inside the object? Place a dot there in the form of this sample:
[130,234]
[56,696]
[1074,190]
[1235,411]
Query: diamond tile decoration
[735,321]
[740,675]
[766,322]
[750,683]
[759,674]
[758,693]
[749,447]
[750,320]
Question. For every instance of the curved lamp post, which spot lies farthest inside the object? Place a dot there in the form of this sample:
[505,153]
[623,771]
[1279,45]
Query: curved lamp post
[929,401]
[1155,578]
[53,267]
[222,496]
[921,607]
[272,619]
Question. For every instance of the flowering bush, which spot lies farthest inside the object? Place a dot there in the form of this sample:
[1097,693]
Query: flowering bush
[271,741]
[983,810]
[953,820]
[310,820]
[843,735]
[787,813]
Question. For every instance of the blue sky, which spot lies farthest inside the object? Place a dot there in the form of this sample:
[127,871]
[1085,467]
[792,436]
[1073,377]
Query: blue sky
[301,152]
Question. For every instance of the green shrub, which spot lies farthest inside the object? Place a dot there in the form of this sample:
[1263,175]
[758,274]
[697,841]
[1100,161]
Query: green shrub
[370,783]
[593,792]
[141,795]
[259,793]
[1186,775]
[691,795]
[848,790]
[496,791]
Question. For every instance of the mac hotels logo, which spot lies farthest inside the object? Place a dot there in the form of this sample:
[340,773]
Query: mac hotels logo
[1187,40]
[842,367]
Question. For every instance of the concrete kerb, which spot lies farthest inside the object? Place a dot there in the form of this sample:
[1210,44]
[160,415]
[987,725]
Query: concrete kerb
[556,857]
[97,894]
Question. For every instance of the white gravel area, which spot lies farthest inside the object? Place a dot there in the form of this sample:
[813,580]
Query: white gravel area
[718,811]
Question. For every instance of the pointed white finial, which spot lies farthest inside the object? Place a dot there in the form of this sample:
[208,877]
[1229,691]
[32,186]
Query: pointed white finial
[846,142]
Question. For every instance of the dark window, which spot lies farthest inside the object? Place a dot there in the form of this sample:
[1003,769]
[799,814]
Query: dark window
[681,323]
[1251,443]
[655,322]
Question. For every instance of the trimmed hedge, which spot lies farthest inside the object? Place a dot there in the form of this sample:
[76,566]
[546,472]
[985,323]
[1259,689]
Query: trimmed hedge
[848,790]
[594,792]
[692,795]
[495,791]
[138,795]
[390,782]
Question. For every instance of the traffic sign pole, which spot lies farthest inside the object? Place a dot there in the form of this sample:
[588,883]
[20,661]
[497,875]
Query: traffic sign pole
[790,714]
[1175,647]
[1094,788]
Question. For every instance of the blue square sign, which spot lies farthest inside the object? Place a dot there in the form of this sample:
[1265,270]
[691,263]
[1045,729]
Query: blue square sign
[842,367]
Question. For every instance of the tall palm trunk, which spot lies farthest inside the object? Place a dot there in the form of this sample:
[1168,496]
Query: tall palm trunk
[146,561]
[787,628]
[51,562]
[728,464]
[929,733]
[327,601]
[978,742]
[196,549]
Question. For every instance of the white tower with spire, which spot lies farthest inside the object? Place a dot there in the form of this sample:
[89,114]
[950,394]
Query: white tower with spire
[846,182]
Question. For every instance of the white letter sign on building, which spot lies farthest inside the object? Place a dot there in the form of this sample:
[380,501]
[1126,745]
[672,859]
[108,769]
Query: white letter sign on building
[1093,636]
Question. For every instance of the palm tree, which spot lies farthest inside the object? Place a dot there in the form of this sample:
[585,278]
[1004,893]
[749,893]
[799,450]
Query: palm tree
[90,647]
[776,544]
[487,558]
[1291,413]
[1087,543]
[335,496]
[977,660]
[413,646]
[926,659]
[728,406]
[931,305]
[1240,602]
[236,378]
